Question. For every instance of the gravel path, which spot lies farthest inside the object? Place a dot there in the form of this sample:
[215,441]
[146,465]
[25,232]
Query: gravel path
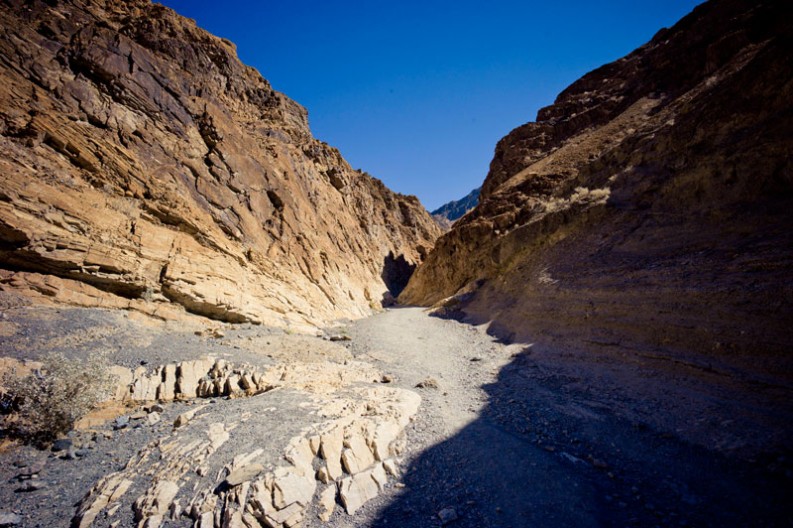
[510,440]
[506,435]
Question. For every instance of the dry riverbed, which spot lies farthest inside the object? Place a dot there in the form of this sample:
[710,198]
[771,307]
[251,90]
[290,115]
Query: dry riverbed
[477,433]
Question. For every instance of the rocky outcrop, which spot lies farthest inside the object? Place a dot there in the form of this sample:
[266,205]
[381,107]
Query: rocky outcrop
[451,211]
[217,470]
[647,210]
[143,166]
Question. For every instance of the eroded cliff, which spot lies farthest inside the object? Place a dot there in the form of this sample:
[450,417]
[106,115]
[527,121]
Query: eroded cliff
[647,212]
[142,165]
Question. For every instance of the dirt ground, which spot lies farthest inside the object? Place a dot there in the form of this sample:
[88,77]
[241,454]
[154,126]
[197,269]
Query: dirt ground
[506,435]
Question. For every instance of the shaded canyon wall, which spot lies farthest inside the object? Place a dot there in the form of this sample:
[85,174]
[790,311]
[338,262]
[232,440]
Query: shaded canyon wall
[648,210]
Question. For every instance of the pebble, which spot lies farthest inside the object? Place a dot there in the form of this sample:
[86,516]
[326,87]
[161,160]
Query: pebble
[31,485]
[243,474]
[121,422]
[153,418]
[10,519]
[447,515]
[61,445]
[596,462]
[28,471]
[429,383]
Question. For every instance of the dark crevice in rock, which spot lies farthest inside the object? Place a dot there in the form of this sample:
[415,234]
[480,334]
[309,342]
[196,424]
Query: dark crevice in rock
[396,273]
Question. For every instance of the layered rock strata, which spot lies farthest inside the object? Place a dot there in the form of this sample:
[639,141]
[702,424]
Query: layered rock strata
[143,166]
[647,211]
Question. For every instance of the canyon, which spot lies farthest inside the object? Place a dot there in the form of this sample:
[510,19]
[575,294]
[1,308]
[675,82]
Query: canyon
[600,338]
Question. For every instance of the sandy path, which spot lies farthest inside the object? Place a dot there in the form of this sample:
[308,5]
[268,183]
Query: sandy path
[460,457]
[511,435]
[516,437]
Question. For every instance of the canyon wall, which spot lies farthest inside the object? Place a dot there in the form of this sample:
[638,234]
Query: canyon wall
[143,166]
[647,212]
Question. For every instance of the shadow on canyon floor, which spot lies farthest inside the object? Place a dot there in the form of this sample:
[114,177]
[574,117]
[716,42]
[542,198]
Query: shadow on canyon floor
[546,451]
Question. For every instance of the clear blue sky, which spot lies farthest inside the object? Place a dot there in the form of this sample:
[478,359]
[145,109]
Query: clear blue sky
[417,93]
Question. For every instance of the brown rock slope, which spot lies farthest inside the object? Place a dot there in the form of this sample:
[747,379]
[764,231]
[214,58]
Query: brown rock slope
[647,212]
[142,165]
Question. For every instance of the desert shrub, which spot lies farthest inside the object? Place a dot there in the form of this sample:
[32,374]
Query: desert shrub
[49,400]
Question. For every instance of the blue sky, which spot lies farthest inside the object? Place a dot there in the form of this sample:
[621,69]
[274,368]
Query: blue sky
[418,93]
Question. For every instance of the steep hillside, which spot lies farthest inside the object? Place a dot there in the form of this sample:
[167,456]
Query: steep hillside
[457,208]
[647,212]
[143,166]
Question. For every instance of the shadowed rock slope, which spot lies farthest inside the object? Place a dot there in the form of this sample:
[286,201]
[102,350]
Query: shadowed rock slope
[647,212]
[143,166]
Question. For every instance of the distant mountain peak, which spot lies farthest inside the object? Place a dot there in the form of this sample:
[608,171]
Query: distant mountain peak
[451,211]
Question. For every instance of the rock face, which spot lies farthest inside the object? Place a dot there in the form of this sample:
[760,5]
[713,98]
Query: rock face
[449,212]
[143,166]
[648,208]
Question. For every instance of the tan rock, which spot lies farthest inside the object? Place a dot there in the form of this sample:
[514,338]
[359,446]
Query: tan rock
[217,434]
[156,501]
[124,382]
[155,521]
[357,456]
[331,445]
[299,453]
[235,521]
[105,492]
[186,416]
[356,490]
[166,391]
[206,520]
[261,498]
[379,476]
[289,516]
[232,385]
[293,487]
[314,443]
[391,467]
[189,374]
[323,475]
[243,474]
[250,521]
[327,503]
[144,388]
[385,433]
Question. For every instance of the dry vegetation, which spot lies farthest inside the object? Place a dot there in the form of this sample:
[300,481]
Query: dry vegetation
[47,402]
